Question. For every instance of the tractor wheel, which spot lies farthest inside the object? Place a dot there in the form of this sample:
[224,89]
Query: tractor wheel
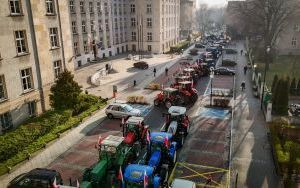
[164,174]
[168,104]
[156,102]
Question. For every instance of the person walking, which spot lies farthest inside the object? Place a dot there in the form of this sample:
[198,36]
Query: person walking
[166,71]
[245,69]
[154,72]
[243,85]
[241,52]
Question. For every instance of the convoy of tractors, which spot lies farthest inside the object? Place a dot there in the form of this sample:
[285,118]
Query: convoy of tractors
[140,157]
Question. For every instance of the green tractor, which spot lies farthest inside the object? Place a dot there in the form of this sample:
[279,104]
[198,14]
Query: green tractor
[114,154]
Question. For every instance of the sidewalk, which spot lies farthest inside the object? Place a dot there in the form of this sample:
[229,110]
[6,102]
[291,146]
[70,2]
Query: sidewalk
[251,154]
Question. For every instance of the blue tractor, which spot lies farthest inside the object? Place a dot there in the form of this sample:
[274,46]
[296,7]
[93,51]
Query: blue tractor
[140,176]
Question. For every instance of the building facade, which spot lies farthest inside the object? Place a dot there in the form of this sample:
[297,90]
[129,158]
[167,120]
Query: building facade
[187,18]
[34,51]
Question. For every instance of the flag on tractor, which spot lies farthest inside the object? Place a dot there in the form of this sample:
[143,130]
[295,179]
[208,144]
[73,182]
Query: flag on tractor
[166,141]
[145,180]
[54,185]
[77,184]
[148,137]
[120,177]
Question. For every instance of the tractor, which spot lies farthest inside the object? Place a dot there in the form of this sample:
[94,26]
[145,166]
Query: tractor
[191,72]
[187,92]
[114,154]
[134,129]
[141,176]
[169,96]
[180,78]
[177,123]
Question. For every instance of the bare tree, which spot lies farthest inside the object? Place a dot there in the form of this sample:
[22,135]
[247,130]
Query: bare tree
[267,18]
[203,18]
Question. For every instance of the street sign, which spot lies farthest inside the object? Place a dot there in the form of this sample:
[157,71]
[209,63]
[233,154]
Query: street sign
[115,89]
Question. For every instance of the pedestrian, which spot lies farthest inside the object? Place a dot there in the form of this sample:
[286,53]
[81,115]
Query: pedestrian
[166,71]
[245,69]
[154,71]
[243,85]
[241,52]
[134,83]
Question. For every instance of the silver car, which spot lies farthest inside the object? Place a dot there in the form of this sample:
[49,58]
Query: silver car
[180,183]
[120,110]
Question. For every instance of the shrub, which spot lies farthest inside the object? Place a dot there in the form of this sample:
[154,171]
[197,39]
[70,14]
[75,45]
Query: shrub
[228,62]
[274,83]
[65,92]
[84,102]
[293,87]
[178,48]
[298,88]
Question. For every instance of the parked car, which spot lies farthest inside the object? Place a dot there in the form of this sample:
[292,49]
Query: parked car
[224,71]
[36,178]
[295,109]
[120,110]
[141,65]
[198,45]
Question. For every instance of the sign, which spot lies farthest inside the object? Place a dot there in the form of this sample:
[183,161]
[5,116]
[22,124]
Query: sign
[115,89]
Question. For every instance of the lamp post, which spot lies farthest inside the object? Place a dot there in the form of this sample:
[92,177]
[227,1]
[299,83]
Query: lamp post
[211,80]
[264,81]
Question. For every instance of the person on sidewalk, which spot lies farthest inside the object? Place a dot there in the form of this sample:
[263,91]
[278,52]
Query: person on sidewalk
[245,69]
[241,52]
[243,85]
[154,71]
[166,71]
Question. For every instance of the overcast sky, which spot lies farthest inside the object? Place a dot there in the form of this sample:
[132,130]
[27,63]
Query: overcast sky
[212,3]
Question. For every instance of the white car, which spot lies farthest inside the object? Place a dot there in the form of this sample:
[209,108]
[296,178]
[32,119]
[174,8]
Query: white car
[120,110]
[181,183]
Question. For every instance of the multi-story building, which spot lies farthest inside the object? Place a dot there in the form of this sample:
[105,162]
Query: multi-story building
[153,25]
[34,51]
[187,17]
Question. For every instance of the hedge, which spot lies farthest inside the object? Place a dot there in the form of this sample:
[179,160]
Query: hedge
[178,48]
[19,144]
[228,62]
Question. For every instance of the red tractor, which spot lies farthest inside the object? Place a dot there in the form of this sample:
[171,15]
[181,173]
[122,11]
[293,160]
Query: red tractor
[190,71]
[189,93]
[169,97]
[134,129]
[180,78]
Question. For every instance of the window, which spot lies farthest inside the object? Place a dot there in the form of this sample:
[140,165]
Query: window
[133,22]
[26,77]
[74,28]
[81,4]
[83,27]
[149,8]
[106,8]
[149,36]
[31,108]
[100,25]
[3,94]
[72,8]
[132,8]
[116,23]
[54,37]
[297,27]
[134,47]
[106,25]
[149,48]
[99,8]
[50,7]
[57,68]
[91,7]
[6,120]
[133,36]
[15,7]
[76,50]
[92,26]
[85,47]
[294,41]
[21,42]
[149,22]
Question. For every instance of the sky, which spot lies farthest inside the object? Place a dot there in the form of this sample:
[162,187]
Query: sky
[212,3]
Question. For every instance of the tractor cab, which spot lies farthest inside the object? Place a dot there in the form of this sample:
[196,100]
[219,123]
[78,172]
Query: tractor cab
[181,79]
[137,176]
[191,72]
[185,85]
[169,96]
[177,113]
[134,129]
[110,146]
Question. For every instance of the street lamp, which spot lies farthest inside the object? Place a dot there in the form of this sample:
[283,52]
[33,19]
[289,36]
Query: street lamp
[211,80]
[265,72]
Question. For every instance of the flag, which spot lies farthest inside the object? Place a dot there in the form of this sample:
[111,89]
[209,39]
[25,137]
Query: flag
[192,82]
[148,137]
[99,140]
[145,180]
[77,184]
[123,121]
[166,141]
[120,177]
[54,185]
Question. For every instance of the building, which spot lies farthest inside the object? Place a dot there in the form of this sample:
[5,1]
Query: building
[187,18]
[153,25]
[98,27]
[35,47]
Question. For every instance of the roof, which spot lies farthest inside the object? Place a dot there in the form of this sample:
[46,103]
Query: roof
[134,120]
[185,82]
[177,110]
[179,183]
[136,172]
[170,89]
[159,136]
[111,140]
